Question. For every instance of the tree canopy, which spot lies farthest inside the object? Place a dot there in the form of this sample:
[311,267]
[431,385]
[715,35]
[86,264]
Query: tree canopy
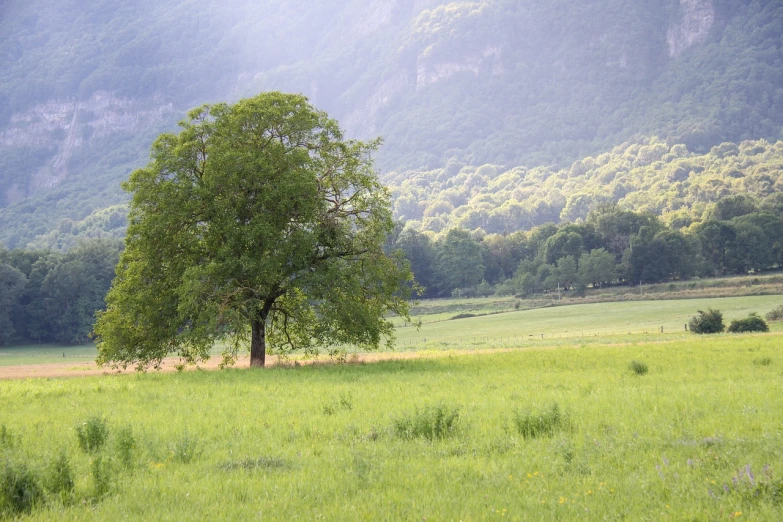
[257,221]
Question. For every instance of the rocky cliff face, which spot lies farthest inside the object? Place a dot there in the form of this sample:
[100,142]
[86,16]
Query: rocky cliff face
[696,19]
[70,125]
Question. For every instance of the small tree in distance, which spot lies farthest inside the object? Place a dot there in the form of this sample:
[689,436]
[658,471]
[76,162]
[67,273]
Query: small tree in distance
[257,222]
[708,322]
[752,323]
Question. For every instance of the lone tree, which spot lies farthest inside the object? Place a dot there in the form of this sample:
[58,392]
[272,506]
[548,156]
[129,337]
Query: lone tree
[257,220]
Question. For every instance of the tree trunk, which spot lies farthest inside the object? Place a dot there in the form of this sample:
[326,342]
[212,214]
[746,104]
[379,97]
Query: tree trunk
[258,344]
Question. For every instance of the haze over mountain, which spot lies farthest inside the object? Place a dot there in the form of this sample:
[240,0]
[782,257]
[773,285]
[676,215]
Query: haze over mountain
[88,84]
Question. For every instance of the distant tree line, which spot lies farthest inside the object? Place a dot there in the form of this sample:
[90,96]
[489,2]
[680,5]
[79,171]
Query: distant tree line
[612,246]
[52,297]
[49,296]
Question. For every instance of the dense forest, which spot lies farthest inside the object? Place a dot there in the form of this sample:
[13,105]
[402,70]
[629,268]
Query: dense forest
[612,246]
[88,85]
[50,296]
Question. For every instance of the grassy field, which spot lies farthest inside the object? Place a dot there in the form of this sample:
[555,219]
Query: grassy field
[602,319]
[596,420]
[38,354]
[619,321]
[468,437]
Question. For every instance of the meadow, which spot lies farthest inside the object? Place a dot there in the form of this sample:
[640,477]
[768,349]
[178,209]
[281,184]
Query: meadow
[458,437]
[650,426]
[498,323]
[568,321]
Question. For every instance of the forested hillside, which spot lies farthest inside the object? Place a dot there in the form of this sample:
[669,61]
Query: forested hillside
[88,84]
[653,176]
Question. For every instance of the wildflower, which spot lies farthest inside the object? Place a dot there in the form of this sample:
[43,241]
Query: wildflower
[562,500]
[750,475]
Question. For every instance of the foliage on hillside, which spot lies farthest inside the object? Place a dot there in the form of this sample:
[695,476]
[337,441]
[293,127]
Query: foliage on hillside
[493,81]
[652,176]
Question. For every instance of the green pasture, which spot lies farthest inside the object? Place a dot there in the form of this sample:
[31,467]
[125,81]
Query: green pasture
[39,354]
[497,323]
[574,321]
[699,437]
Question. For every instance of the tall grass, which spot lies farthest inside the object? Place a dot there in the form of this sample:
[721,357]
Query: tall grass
[676,444]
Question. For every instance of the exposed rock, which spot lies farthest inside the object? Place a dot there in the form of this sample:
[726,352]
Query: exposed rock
[429,73]
[362,120]
[380,14]
[63,124]
[697,18]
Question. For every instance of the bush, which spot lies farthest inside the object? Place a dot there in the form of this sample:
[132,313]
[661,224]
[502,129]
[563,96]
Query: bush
[92,434]
[59,477]
[101,477]
[752,323]
[463,316]
[432,422]
[185,449]
[775,315]
[638,367]
[532,424]
[6,438]
[20,489]
[708,322]
[125,447]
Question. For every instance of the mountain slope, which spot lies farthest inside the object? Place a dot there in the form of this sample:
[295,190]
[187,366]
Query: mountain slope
[88,84]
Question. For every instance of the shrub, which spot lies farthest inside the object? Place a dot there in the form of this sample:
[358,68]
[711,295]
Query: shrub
[638,367]
[431,422]
[6,438]
[463,316]
[59,477]
[92,434]
[708,322]
[752,323]
[532,424]
[125,447]
[775,315]
[20,488]
[101,476]
[185,449]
